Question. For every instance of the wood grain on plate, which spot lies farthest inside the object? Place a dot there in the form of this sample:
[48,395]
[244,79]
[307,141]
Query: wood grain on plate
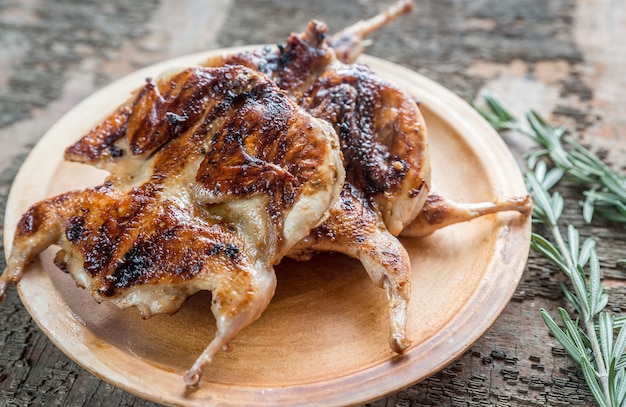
[323,338]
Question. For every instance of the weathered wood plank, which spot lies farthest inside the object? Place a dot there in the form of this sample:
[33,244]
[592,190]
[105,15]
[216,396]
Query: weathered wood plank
[534,54]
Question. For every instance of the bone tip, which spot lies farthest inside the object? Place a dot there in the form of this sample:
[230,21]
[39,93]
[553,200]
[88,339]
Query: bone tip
[527,206]
[192,377]
[406,5]
[399,8]
[399,343]
[4,285]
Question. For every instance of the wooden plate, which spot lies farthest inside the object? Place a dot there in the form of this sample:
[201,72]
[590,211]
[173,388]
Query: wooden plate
[323,339]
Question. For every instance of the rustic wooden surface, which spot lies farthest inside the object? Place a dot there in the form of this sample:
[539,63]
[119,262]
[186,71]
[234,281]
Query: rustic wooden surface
[565,58]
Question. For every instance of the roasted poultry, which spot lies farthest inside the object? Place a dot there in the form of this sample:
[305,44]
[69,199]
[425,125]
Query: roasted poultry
[384,145]
[215,175]
[246,173]
[385,148]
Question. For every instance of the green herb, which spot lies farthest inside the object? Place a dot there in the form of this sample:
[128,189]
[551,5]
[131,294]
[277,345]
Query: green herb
[595,339]
[606,190]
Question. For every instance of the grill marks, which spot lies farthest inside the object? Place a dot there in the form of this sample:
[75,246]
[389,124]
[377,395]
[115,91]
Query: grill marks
[382,135]
[264,147]
[100,140]
[237,162]
[162,111]
[174,248]
[123,240]
[169,108]
[227,132]
[251,136]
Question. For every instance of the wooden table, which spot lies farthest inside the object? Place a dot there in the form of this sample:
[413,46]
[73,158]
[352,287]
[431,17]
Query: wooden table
[565,58]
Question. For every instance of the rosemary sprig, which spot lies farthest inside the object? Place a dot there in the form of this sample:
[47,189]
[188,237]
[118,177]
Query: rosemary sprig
[590,339]
[606,190]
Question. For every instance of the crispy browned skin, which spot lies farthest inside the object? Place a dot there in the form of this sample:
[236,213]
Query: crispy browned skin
[383,138]
[384,145]
[215,175]
[128,239]
[381,130]
[246,135]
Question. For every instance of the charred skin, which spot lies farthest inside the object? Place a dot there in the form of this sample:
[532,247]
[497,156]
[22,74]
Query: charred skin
[235,134]
[385,153]
[383,139]
[384,143]
[382,132]
[215,174]
[292,66]
[113,241]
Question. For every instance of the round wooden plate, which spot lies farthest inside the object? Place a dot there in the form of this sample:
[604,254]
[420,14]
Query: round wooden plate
[323,339]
